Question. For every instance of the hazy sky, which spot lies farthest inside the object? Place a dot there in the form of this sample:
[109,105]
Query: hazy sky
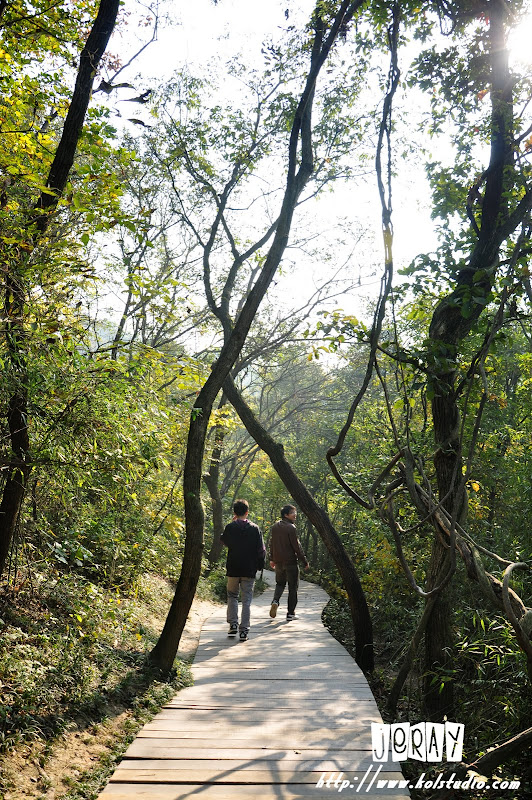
[201,33]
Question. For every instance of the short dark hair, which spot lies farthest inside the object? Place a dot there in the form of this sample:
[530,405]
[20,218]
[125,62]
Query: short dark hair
[240,507]
[287,509]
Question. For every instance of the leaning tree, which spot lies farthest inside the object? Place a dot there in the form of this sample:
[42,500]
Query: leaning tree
[281,126]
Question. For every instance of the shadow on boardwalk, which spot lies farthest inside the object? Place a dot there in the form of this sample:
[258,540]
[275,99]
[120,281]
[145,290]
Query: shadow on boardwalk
[268,718]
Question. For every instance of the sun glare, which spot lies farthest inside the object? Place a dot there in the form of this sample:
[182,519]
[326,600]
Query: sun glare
[520,42]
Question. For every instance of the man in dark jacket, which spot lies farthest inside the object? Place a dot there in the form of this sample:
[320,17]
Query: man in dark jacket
[285,552]
[245,556]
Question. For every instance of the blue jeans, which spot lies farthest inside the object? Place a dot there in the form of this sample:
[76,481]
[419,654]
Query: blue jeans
[283,574]
[246,586]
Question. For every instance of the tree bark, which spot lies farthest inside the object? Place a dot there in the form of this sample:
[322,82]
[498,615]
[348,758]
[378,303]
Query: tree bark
[91,54]
[320,520]
[19,472]
[212,482]
[15,293]
[299,170]
[451,323]
[438,687]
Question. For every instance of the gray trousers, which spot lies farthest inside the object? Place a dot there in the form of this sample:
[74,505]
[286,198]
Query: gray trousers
[246,586]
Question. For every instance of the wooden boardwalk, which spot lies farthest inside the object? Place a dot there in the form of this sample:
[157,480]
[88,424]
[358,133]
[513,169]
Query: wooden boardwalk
[266,719]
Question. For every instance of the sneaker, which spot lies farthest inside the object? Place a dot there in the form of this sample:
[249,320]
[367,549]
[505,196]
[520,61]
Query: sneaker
[233,629]
[290,617]
[243,636]
[273,609]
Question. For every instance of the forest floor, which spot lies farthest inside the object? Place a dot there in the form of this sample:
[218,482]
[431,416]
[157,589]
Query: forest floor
[68,765]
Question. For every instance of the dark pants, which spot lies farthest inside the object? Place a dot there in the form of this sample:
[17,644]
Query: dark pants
[283,574]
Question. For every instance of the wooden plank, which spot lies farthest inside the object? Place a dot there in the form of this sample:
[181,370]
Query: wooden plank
[271,702]
[332,762]
[117,791]
[172,746]
[297,671]
[238,730]
[258,646]
[249,728]
[233,657]
[236,679]
[337,660]
[264,720]
[278,689]
[247,724]
[273,715]
[268,702]
[213,694]
[173,740]
[235,650]
[301,673]
[214,691]
[229,775]
[307,759]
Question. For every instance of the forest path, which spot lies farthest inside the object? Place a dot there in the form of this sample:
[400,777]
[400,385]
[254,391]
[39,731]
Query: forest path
[266,719]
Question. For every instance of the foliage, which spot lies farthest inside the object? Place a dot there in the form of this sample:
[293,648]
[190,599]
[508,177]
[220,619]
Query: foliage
[70,648]
[110,392]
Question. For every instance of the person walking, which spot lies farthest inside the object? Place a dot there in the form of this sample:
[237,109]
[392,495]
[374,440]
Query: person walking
[285,552]
[245,555]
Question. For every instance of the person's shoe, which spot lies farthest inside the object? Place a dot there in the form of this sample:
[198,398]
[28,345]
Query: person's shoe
[233,629]
[273,609]
[243,636]
[290,617]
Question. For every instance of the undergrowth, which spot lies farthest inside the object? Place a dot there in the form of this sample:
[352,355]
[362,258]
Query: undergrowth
[72,654]
[488,676]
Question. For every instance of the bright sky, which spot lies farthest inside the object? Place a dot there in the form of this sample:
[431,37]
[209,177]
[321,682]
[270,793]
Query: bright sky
[204,33]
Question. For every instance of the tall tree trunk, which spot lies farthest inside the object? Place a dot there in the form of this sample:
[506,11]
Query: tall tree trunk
[217,519]
[314,546]
[450,325]
[212,482]
[299,170]
[17,478]
[438,691]
[163,654]
[306,536]
[20,466]
[319,518]
[438,688]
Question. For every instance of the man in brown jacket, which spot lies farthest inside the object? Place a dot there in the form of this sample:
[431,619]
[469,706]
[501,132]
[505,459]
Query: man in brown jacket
[285,552]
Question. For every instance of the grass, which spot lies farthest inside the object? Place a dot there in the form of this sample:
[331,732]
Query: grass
[145,702]
[73,655]
[74,663]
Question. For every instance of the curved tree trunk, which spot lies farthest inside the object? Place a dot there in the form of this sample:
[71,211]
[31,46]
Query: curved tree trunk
[299,170]
[212,482]
[320,519]
[163,654]
[212,485]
